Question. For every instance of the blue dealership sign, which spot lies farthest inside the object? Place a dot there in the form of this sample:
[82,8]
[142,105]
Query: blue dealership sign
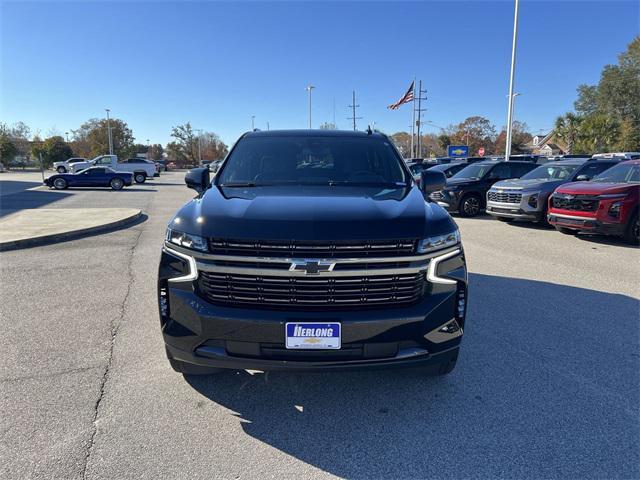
[461,151]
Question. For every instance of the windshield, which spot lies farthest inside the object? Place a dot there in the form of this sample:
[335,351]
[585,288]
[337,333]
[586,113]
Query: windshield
[623,173]
[312,160]
[555,172]
[473,172]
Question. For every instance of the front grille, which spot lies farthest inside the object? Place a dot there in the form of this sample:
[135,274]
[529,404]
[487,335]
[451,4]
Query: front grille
[581,203]
[304,293]
[504,197]
[389,248]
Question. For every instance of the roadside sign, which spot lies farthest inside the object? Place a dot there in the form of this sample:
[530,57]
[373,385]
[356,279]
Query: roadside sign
[481,152]
[458,151]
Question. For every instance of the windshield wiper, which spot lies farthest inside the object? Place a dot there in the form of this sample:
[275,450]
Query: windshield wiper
[239,184]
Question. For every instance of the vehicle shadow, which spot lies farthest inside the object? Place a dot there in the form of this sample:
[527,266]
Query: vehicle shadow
[547,386]
[13,187]
[29,199]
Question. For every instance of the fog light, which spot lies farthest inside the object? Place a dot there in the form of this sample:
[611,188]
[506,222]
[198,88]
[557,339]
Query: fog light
[450,327]
[614,209]
[533,201]
[163,302]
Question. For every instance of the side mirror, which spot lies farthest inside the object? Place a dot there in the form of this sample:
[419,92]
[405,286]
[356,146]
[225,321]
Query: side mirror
[583,178]
[198,179]
[431,181]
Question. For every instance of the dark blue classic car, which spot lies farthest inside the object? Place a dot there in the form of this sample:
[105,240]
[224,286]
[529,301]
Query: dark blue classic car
[91,177]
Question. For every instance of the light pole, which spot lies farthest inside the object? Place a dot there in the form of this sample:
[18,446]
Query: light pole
[507,149]
[109,131]
[66,135]
[309,88]
[253,123]
[267,125]
[199,147]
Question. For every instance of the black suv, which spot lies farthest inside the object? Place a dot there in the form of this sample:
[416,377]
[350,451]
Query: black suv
[312,250]
[465,192]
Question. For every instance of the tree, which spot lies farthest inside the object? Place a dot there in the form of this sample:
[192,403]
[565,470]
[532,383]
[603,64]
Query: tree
[617,97]
[402,141]
[444,141]
[18,134]
[155,152]
[140,148]
[598,133]
[188,148]
[567,129]
[520,137]
[8,150]
[213,148]
[53,149]
[476,132]
[184,149]
[92,138]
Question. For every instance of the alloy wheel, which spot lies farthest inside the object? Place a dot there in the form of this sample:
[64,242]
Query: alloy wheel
[471,206]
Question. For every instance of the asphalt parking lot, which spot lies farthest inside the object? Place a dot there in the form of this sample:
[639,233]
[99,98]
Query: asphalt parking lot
[547,385]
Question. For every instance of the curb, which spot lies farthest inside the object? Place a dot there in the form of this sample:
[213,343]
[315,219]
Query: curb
[72,234]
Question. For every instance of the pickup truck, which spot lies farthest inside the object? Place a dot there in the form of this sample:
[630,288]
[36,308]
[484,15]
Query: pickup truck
[312,250]
[141,171]
[64,167]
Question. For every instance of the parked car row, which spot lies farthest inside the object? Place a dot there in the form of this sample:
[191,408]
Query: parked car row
[599,194]
[102,171]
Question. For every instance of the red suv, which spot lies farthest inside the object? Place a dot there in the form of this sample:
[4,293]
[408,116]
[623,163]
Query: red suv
[607,204]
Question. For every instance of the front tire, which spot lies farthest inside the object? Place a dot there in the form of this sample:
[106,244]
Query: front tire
[632,233]
[470,205]
[116,183]
[139,177]
[61,169]
[60,184]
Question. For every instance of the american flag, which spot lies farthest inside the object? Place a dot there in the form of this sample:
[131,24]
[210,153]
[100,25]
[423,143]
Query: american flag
[406,98]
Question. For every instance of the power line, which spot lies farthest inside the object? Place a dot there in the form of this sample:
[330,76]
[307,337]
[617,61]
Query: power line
[353,106]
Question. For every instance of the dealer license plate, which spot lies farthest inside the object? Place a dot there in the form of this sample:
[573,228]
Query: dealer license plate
[312,335]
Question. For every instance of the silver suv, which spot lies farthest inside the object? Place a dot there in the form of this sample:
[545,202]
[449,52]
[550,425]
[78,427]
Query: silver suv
[526,198]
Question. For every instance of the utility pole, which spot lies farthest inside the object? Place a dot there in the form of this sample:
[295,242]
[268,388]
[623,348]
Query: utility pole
[309,88]
[419,122]
[109,131]
[353,107]
[413,121]
[253,123]
[507,149]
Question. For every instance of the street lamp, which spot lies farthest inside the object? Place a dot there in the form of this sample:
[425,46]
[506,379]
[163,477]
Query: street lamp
[66,135]
[199,146]
[253,123]
[507,149]
[309,88]
[109,131]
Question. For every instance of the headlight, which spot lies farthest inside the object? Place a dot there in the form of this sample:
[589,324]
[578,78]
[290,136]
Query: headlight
[186,240]
[439,242]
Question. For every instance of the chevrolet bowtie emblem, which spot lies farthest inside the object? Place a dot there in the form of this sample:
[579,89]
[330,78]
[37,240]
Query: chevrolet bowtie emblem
[311,267]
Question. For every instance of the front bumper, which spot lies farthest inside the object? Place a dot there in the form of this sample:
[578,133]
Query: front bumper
[221,336]
[586,224]
[515,211]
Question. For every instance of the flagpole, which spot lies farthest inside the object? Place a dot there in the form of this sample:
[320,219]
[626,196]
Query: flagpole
[413,123]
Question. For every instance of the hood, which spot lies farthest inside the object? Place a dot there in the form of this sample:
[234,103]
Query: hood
[595,188]
[530,184]
[312,213]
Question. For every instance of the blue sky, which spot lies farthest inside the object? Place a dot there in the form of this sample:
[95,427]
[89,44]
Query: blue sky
[159,64]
